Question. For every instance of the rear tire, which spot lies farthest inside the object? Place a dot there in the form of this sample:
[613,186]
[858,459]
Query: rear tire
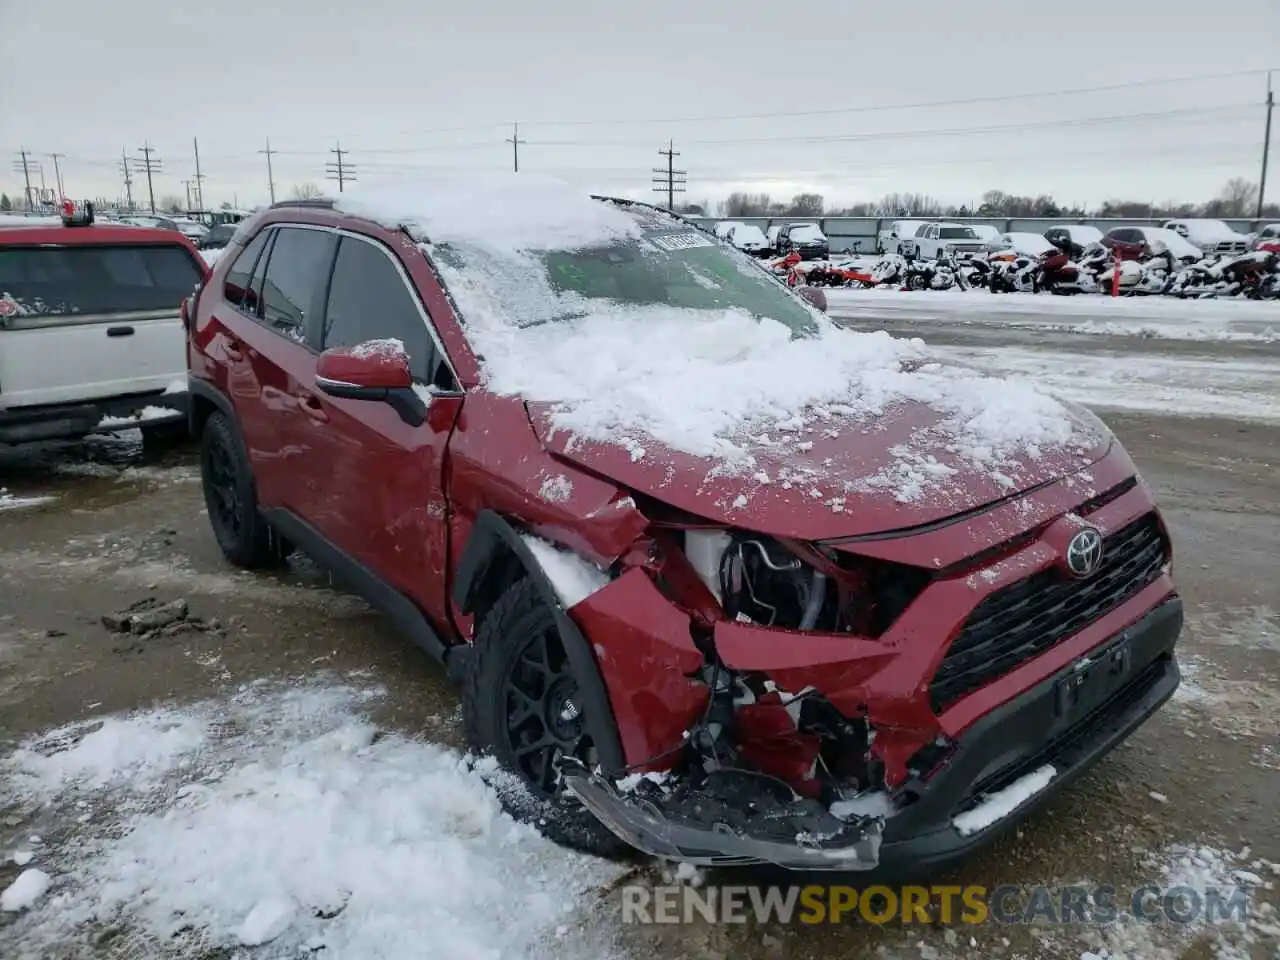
[246,539]
[520,704]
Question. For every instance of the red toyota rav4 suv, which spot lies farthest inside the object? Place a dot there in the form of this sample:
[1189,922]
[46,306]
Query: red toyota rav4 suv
[721,581]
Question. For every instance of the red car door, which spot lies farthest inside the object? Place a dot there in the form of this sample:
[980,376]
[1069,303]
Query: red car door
[270,365]
[378,482]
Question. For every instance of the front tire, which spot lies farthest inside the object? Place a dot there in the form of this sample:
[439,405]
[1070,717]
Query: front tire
[161,435]
[520,703]
[246,539]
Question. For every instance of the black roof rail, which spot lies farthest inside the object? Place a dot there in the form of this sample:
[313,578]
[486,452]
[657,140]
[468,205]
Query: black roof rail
[321,203]
[628,202]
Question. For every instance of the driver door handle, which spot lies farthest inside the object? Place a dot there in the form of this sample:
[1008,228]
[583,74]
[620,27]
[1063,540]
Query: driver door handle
[312,407]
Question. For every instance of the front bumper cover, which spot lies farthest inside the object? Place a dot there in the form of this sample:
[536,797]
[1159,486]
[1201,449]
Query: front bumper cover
[742,818]
[735,818]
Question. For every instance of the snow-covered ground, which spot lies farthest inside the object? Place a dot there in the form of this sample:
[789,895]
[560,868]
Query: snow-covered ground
[284,817]
[1189,386]
[1159,317]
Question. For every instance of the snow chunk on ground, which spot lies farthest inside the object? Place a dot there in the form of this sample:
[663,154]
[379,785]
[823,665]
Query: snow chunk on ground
[211,257]
[10,501]
[293,820]
[573,578]
[1000,804]
[139,749]
[30,886]
[267,920]
[556,489]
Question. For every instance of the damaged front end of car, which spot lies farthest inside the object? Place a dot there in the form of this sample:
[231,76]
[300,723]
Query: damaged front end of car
[738,669]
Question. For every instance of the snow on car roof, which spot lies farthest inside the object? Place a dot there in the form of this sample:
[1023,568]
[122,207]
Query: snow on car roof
[1028,243]
[708,382]
[1176,244]
[503,212]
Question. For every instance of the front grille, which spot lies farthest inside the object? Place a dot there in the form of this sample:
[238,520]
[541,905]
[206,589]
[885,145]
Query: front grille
[1026,618]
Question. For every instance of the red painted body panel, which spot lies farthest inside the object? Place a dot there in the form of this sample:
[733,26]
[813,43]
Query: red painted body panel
[806,497]
[375,370]
[645,655]
[403,500]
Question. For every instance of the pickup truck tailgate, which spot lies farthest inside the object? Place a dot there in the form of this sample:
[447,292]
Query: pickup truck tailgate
[87,321]
[43,362]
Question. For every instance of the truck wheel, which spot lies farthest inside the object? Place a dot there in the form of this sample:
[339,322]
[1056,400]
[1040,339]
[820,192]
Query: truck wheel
[246,539]
[519,704]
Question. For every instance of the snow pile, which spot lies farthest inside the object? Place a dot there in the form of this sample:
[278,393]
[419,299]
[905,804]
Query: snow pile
[138,750]
[998,805]
[283,816]
[573,578]
[145,415]
[211,257]
[699,381]
[11,501]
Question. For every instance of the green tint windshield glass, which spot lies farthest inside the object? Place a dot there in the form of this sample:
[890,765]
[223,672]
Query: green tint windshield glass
[671,264]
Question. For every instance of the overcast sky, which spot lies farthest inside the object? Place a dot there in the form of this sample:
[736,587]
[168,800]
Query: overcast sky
[758,94]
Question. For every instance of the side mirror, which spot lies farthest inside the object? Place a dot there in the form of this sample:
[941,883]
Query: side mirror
[814,296]
[376,371]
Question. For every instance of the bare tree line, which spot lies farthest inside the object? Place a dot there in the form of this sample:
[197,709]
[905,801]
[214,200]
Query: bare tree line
[1237,198]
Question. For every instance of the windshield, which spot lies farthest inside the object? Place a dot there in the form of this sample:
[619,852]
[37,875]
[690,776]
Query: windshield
[669,265]
[957,233]
[806,231]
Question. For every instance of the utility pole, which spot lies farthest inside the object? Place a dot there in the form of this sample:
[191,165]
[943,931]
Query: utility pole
[151,165]
[271,182]
[671,181]
[515,142]
[128,180]
[1266,149]
[57,174]
[26,175]
[199,180]
[338,169]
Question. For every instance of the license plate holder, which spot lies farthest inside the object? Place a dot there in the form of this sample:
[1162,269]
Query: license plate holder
[1093,679]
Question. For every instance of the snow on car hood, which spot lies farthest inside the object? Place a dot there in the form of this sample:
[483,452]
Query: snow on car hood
[716,410]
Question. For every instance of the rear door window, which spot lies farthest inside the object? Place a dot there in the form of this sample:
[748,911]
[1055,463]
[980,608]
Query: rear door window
[237,282]
[94,280]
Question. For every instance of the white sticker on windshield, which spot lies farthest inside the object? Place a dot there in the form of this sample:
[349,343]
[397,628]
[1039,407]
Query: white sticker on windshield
[681,241]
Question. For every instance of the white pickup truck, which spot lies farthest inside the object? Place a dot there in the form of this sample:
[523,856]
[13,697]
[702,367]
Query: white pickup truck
[91,338]
[944,240]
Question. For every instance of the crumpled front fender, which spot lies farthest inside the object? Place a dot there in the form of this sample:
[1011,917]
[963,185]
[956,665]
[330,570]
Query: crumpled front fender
[646,655]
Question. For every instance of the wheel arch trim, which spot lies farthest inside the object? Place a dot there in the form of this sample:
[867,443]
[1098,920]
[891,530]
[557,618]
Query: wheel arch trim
[492,535]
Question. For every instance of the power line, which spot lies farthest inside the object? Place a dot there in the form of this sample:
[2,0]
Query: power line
[338,170]
[150,165]
[515,142]
[271,181]
[1186,114]
[671,181]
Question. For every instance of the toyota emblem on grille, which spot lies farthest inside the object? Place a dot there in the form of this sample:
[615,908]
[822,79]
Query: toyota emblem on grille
[1084,552]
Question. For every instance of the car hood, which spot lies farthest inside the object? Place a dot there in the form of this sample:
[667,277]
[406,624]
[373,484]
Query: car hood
[848,479]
